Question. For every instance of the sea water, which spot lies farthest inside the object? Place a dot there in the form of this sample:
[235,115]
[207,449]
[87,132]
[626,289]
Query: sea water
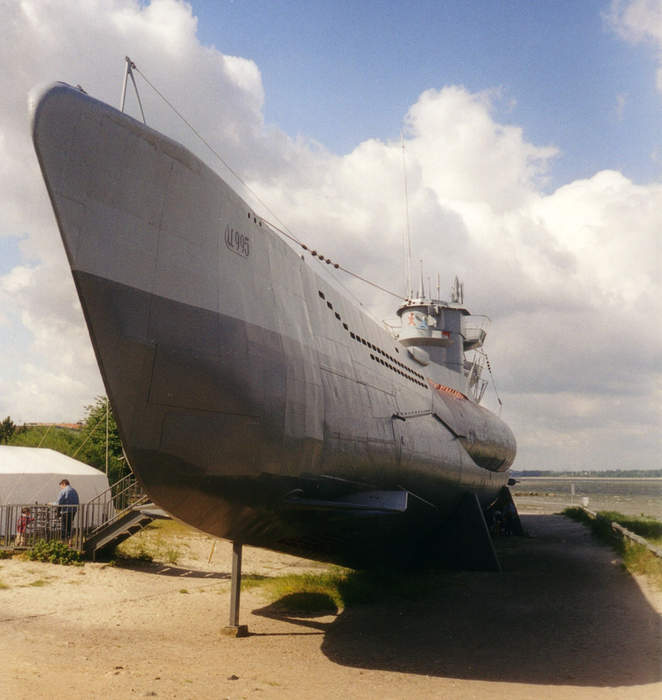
[540,494]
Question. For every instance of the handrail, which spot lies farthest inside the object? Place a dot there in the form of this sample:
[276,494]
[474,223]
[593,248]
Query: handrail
[122,496]
[115,490]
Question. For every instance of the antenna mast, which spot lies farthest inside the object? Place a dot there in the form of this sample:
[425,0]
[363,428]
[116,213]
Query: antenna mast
[406,244]
[128,73]
[457,291]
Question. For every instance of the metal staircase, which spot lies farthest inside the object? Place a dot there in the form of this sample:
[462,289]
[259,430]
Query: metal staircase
[126,513]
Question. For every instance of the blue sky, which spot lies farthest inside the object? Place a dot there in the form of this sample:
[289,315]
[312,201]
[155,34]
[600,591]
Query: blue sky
[10,254]
[344,72]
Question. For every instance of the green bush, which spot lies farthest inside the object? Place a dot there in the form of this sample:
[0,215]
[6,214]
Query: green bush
[54,552]
[578,514]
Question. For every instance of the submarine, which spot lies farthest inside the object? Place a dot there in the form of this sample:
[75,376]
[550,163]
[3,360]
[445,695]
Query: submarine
[255,400]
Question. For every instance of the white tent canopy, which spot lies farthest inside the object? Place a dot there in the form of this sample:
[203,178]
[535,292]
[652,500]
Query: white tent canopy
[32,475]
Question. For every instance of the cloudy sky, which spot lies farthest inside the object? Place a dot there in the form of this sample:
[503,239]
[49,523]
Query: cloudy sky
[534,165]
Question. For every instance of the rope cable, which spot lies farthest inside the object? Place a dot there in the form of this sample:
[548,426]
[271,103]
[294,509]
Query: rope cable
[41,442]
[89,435]
[328,261]
[210,147]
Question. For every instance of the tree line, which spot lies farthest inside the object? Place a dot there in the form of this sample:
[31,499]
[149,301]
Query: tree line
[87,444]
[604,473]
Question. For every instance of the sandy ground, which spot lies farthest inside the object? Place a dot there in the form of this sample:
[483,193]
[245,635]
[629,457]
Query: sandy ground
[563,620]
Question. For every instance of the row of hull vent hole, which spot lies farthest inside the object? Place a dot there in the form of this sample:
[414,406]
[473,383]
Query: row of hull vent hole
[407,373]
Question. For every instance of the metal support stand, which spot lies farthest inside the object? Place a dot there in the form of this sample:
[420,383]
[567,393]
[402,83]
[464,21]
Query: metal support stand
[510,509]
[474,544]
[234,629]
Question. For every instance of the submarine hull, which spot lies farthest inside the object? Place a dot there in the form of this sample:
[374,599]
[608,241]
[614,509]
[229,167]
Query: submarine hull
[254,401]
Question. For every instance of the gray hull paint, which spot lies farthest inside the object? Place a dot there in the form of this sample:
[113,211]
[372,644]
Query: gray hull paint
[238,376]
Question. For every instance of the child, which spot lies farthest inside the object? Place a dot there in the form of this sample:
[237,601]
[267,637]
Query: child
[22,526]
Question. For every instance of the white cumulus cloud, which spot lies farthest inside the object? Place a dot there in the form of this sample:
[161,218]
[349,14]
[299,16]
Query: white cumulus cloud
[569,278]
[639,20]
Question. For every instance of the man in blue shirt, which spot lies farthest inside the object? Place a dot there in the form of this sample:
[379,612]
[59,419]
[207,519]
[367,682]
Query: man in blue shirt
[68,502]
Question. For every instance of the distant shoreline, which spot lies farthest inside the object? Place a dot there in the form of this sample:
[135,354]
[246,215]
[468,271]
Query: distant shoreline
[588,478]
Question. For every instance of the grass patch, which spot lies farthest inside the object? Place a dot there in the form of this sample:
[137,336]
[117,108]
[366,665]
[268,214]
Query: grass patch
[306,592]
[6,553]
[600,527]
[172,555]
[130,553]
[636,558]
[158,541]
[169,527]
[339,588]
[183,590]
[39,583]
[639,560]
[3,586]
[249,581]
[646,527]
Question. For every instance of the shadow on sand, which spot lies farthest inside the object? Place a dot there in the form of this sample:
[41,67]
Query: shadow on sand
[160,569]
[563,611]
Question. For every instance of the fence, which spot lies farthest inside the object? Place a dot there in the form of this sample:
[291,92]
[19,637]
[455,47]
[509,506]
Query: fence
[21,525]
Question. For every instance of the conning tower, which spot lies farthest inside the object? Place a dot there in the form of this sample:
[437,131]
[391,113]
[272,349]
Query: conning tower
[437,332]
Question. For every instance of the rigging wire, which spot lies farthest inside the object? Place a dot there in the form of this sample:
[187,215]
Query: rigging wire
[41,442]
[337,266]
[89,435]
[282,229]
